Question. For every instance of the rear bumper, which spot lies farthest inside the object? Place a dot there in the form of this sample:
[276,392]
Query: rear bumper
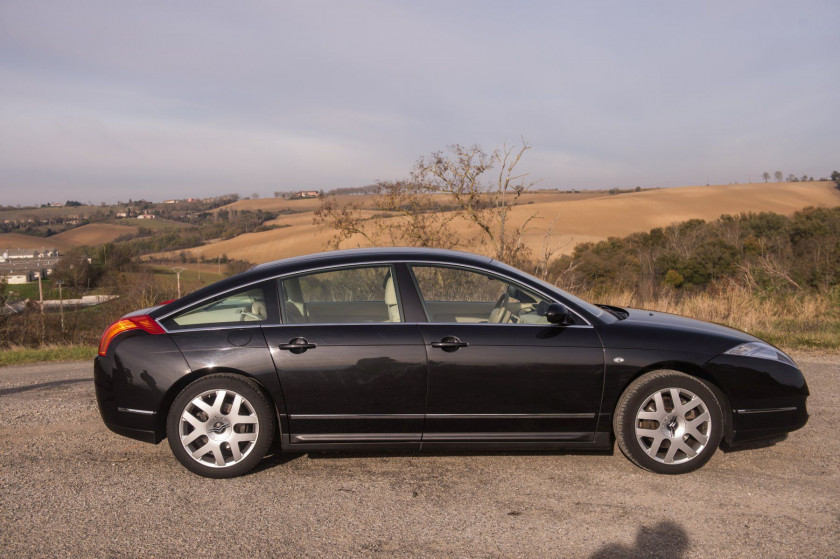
[129,422]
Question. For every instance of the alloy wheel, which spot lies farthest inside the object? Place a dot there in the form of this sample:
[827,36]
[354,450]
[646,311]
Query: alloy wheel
[673,425]
[219,428]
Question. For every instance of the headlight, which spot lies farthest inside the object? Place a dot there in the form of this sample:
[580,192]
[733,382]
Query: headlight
[760,350]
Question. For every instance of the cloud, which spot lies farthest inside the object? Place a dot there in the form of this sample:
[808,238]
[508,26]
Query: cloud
[217,96]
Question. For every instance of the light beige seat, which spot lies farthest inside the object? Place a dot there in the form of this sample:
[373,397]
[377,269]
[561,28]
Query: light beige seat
[295,308]
[391,300]
[258,309]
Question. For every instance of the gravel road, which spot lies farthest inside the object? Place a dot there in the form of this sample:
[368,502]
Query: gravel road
[70,487]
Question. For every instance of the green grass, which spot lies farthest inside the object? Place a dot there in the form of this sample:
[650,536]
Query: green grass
[28,290]
[23,291]
[21,355]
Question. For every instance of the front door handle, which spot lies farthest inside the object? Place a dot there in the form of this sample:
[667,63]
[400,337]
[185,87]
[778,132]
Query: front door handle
[297,345]
[450,343]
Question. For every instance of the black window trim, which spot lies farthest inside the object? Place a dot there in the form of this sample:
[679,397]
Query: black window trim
[390,262]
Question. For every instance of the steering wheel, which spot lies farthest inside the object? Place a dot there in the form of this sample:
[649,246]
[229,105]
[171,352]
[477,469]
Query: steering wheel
[497,315]
[245,313]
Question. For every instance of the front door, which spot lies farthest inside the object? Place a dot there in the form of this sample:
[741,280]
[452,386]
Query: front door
[351,371]
[498,371]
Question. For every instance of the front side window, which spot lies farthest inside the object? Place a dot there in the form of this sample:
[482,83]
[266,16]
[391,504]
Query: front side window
[467,296]
[347,295]
[240,307]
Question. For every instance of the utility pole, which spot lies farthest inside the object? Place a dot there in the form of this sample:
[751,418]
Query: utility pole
[61,302]
[220,264]
[40,294]
[178,276]
[198,262]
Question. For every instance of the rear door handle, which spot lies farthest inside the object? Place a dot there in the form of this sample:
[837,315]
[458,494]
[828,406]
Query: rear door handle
[450,343]
[297,345]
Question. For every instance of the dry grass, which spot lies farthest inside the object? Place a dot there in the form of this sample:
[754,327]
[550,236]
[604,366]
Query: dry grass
[572,218]
[793,321]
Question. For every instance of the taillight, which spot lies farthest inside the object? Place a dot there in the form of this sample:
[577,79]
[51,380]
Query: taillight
[167,302]
[143,322]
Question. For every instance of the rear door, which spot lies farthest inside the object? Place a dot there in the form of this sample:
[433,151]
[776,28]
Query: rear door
[352,371]
[223,334]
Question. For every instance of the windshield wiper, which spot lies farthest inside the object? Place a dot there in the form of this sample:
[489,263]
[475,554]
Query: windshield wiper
[617,312]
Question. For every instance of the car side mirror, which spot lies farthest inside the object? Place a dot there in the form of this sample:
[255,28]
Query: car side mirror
[557,313]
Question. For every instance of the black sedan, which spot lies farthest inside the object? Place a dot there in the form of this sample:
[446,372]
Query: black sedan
[419,349]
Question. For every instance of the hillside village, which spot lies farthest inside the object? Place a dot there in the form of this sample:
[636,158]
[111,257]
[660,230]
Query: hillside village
[20,265]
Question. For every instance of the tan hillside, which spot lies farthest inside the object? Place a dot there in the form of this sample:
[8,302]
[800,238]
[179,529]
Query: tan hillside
[92,234]
[598,218]
[572,221]
[17,240]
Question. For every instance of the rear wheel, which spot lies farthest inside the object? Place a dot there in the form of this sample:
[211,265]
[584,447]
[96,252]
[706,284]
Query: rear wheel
[668,422]
[221,425]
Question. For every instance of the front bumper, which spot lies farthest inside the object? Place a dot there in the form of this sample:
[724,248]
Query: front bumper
[768,398]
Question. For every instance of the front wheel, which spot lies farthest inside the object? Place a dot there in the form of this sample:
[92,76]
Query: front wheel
[220,425]
[668,422]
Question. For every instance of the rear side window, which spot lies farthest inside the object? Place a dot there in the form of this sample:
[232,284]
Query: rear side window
[246,306]
[347,295]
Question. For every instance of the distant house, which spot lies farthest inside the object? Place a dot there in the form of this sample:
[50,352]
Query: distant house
[16,272]
[20,254]
[147,216]
[307,194]
[19,277]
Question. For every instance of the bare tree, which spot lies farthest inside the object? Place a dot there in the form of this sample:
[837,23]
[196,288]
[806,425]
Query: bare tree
[462,183]
[404,213]
[778,176]
[766,176]
[486,204]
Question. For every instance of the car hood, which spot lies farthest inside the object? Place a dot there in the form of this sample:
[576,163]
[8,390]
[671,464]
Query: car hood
[658,330]
[645,317]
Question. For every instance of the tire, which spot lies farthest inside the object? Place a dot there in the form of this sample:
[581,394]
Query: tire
[212,438]
[661,437]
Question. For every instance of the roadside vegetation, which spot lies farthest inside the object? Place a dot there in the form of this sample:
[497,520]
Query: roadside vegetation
[773,275]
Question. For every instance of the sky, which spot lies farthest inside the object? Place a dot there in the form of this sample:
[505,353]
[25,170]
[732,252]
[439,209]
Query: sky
[110,100]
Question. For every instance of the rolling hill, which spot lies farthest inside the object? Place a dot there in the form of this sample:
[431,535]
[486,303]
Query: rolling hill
[86,235]
[571,220]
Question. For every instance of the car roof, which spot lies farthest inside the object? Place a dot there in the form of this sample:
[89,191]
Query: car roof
[374,253]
